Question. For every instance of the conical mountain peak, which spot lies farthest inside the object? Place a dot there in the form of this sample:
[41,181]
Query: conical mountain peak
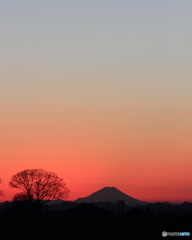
[107,194]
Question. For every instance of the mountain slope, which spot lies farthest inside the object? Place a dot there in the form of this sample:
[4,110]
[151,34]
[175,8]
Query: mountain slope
[107,194]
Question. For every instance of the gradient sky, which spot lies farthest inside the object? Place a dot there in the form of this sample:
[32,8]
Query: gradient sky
[99,92]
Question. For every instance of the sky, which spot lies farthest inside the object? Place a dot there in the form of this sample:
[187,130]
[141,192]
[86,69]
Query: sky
[98,92]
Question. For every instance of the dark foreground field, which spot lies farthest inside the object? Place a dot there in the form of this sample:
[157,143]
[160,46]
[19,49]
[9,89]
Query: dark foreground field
[132,226]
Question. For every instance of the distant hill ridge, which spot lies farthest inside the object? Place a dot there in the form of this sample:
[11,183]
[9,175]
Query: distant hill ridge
[107,194]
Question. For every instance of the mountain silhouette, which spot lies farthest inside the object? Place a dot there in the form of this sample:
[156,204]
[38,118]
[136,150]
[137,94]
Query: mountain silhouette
[107,194]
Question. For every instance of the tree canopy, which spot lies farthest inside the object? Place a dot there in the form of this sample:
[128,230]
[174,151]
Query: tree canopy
[38,185]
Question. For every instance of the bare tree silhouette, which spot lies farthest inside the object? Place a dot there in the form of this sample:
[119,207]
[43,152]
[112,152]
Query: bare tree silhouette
[20,197]
[38,186]
[1,192]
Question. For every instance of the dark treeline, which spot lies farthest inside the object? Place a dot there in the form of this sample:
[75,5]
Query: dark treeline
[69,220]
[119,208]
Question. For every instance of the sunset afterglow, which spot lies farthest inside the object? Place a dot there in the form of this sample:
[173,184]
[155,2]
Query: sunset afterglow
[98,92]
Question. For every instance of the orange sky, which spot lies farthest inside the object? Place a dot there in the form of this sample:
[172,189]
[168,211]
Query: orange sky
[143,156]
